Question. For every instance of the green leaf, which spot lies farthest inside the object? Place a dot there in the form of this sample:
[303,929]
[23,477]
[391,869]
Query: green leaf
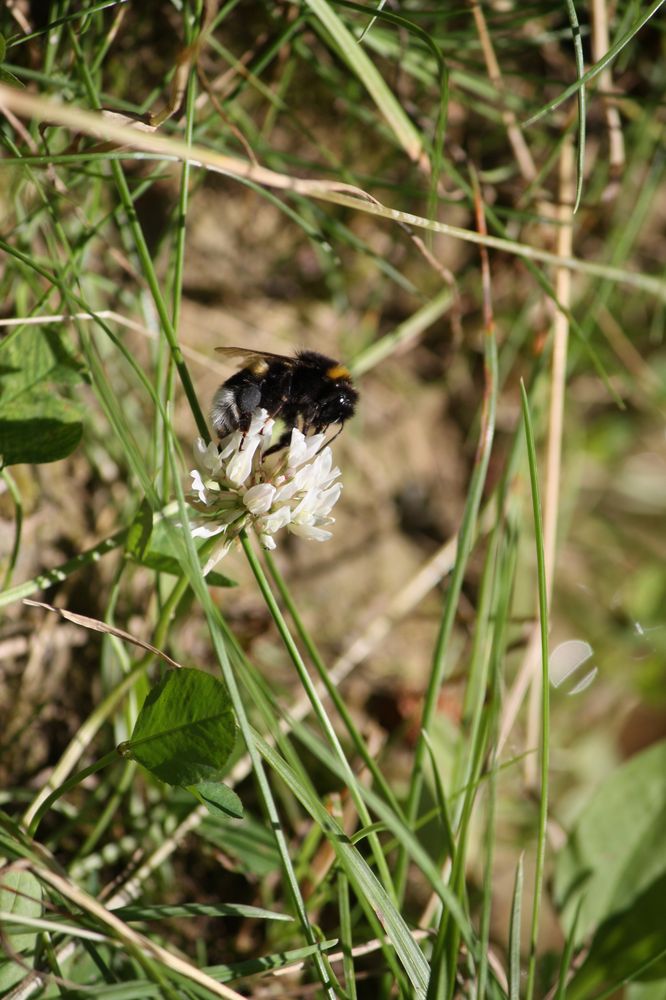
[46,436]
[631,944]
[36,424]
[8,77]
[220,798]
[5,75]
[20,895]
[185,731]
[140,531]
[618,847]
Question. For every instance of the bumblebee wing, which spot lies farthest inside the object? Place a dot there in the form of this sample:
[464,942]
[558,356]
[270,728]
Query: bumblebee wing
[249,356]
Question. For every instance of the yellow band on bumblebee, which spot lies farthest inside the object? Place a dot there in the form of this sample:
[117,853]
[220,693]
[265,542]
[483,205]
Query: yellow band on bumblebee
[258,366]
[338,371]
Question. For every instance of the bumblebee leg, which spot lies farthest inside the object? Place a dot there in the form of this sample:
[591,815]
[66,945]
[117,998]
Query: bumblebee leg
[274,413]
[337,434]
[282,442]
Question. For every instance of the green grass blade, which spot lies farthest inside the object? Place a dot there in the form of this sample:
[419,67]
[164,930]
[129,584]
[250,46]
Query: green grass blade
[545,694]
[366,884]
[514,933]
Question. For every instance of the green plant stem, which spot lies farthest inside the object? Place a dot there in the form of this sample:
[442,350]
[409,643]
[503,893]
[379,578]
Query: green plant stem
[545,694]
[580,70]
[514,933]
[45,580]
[317,706]
[108,812]
[332,691]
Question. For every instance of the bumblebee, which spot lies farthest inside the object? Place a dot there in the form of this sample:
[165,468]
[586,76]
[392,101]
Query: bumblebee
[307,390]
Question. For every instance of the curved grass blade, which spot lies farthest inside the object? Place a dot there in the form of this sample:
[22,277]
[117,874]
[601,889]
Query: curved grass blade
[613,51]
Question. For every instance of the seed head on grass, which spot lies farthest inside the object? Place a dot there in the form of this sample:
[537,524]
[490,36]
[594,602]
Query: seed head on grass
[237,486]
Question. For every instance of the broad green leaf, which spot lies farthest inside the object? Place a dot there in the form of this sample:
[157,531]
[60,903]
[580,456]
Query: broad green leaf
[10,974]
[34,358]
[37,424]
[185,731]
[618,846]
[631,944]
[45,431]
[20,895]
[220,798]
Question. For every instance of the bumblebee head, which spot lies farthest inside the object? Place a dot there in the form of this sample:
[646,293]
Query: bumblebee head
[339,403]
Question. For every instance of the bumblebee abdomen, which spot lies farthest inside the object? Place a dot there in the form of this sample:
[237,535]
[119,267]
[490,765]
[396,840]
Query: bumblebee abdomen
[235,401]
[224,412]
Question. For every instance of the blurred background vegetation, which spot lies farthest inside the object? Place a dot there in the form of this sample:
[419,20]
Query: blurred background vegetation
[418,107]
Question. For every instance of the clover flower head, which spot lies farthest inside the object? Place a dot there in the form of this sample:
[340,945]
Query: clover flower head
[238,486]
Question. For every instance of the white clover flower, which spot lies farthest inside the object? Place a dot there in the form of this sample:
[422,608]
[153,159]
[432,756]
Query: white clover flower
[236,487]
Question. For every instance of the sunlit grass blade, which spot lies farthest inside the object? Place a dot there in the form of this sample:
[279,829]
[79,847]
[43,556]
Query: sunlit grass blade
[335,193]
